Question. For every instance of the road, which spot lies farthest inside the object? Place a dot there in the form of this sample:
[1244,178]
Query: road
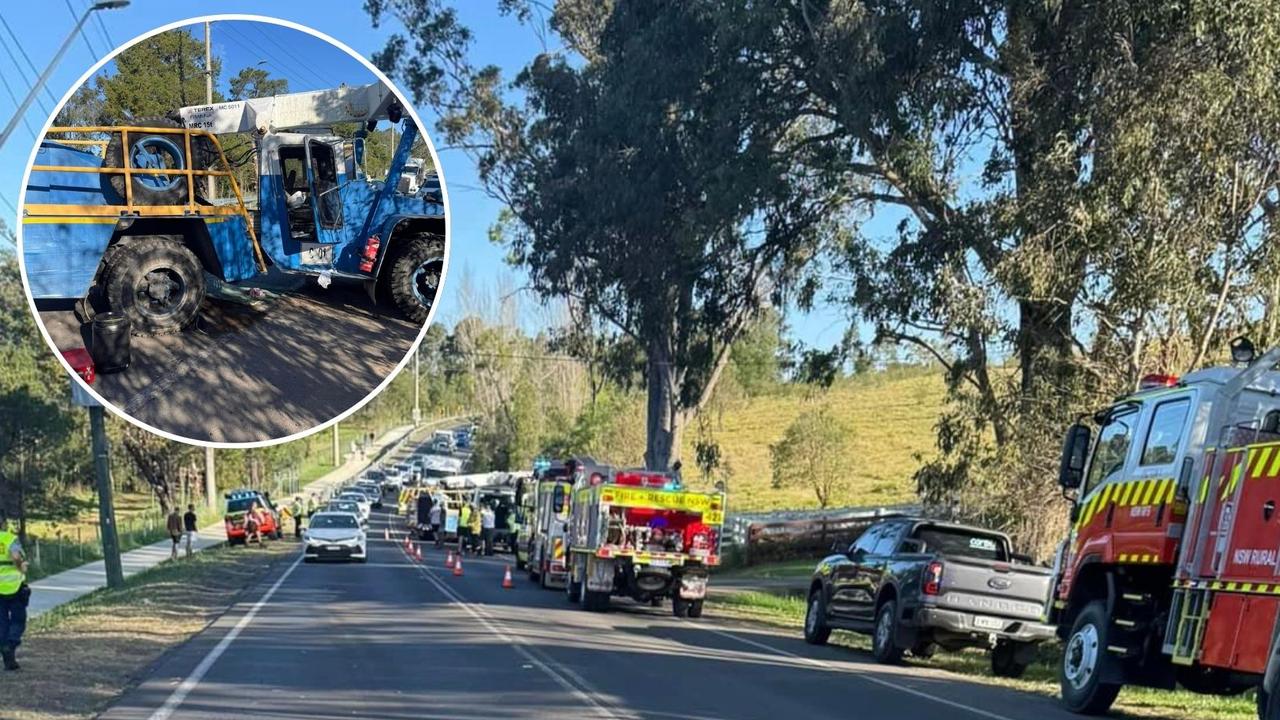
[397,639]
[244,373]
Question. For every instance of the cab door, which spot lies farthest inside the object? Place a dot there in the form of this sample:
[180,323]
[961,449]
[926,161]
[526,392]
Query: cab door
[1142,508]
[870,572]
[326,189]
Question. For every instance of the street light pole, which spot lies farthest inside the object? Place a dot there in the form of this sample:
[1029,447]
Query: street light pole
[44,76]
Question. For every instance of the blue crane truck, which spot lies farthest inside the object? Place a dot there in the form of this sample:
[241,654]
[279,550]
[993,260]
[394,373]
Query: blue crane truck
[117,217]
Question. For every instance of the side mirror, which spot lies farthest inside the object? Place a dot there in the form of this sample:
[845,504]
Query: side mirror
[557,499]
[1075,451]
[856,553]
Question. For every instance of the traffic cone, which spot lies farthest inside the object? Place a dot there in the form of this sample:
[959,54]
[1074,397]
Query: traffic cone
[417,552]
[386,534]
[457,567]
[506,579]
[448,560]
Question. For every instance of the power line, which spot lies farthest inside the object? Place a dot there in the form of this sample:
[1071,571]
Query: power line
[322,82]
[23,51]
[83,36]
[17,104]
[26,81]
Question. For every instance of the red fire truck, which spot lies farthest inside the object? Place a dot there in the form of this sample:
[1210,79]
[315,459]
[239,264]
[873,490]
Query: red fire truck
[1170,574]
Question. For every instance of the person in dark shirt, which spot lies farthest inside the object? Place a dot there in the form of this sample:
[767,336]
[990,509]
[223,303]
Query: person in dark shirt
[189,527]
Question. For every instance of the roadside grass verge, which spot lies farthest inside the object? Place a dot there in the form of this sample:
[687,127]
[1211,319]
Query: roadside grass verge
[787,569]
[79,657]
[1041,677]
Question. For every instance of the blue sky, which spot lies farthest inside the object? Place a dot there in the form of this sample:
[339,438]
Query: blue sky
[307,63]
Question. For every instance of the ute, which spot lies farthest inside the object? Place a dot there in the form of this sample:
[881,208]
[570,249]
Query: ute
[238,504]
[1170,574]
[119,219]
[637,534]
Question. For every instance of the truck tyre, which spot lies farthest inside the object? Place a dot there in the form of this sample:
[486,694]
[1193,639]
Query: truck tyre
[162,150]
[413,273]
[1004,660]
[816,629]
[884,645]
[695,608]
[155,281]
[1084,662]
[679,607]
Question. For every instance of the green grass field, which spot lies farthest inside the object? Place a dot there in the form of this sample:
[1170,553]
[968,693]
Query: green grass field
[892,414]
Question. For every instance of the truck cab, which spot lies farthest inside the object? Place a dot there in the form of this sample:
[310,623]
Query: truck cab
[1156,498]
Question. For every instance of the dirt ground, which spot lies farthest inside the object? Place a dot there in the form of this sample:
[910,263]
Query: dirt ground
[254,371]
[78,658]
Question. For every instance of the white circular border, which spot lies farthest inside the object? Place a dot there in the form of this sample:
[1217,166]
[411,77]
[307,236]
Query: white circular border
[431,148]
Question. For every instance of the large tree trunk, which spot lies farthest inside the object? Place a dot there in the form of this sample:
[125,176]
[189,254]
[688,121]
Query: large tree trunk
[665,419]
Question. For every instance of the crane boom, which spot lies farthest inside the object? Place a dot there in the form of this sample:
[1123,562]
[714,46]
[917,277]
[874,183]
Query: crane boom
[292,111]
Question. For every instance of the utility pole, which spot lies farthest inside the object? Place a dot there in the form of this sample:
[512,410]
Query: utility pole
[44,76]
[337,458]
[106,506]
[211,181]
[417,408]
[210,480]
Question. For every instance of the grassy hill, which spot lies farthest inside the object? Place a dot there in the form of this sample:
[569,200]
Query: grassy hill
[892,414]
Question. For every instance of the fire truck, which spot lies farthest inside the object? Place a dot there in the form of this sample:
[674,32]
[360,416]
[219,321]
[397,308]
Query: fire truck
[637,534]
[540,542]
[1170,574]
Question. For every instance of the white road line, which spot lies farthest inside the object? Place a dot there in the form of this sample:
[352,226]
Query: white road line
[557,672]
[193,680]
[863,676]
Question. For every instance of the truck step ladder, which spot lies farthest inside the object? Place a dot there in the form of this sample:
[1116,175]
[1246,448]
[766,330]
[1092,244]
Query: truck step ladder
[1191,608]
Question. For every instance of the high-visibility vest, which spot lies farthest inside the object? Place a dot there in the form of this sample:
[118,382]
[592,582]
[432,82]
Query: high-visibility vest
[296,508]
[11,578]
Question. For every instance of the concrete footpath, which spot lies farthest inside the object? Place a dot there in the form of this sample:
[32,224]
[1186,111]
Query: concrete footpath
[68,585]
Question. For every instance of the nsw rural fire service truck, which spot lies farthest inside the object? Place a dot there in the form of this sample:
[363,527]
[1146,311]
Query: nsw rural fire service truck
[635,533]
[128,228]
[1171,571]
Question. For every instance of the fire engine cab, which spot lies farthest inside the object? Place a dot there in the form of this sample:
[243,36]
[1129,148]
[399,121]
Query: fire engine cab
[1170,574]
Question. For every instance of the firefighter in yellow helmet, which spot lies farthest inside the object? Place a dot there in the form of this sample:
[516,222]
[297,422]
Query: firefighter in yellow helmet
[14,595]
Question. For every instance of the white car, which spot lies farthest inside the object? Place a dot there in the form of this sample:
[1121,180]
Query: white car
[359,498]
[335,536]
[342,505]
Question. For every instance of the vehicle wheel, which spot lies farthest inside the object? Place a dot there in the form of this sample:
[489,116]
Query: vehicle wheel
[153,150]
[679,607]
[884,644]
[155,281]
[1084,661]
[695,609]
[573,589]
[413,274]
[542,579]
[1004,661]
[816,630]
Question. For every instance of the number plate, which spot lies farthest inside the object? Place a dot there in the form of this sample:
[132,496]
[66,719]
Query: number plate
[335,548]
[988,623]
[660,563]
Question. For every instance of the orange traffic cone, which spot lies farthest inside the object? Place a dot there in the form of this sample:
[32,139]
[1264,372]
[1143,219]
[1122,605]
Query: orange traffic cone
[457,567]
[448,560]
[417,552]
[506,579]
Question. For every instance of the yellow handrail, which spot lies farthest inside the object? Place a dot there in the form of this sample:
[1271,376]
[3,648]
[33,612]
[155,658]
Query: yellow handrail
[149,210]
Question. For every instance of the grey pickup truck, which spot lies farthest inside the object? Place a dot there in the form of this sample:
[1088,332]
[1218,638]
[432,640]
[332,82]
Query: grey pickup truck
[917,585]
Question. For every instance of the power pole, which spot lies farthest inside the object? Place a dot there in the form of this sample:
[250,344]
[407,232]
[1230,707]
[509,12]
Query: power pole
[106,506]
[210,480]
[337,457]
[211,181]
[417,408]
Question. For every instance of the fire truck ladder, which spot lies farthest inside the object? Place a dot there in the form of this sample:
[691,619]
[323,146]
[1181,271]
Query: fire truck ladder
[1191,608]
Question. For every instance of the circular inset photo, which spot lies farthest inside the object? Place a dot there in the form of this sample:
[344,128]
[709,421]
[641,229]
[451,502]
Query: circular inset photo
[233,230]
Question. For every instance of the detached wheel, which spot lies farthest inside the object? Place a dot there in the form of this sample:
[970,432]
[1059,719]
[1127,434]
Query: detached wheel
[816,630]
[413,274]
[884,641]
[1085,661]
[155,281]
[1004,661]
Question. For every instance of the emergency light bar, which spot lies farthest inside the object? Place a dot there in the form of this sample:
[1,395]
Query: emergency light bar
[1150,382]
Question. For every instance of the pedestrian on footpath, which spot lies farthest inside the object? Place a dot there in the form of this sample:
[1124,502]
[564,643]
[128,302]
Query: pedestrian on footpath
[14,595]
[295,509]
[189,521]
[487,521]
[174,525]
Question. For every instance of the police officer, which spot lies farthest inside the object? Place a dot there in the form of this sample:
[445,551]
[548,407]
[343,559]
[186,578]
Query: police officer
[14,595]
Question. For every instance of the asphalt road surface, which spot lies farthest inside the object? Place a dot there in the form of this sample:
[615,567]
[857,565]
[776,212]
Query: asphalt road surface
[397,639]
[244,373]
